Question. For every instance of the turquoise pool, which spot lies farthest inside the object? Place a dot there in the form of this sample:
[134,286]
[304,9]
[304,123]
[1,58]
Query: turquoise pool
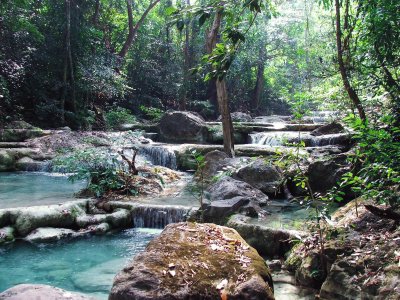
[36,188]
[86,265]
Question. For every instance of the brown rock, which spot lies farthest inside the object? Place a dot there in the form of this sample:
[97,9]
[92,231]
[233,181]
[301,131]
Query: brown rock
[189,261]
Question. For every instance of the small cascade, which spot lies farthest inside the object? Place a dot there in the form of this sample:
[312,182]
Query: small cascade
[291,137]
[279,138]
[158,216]
[159,155]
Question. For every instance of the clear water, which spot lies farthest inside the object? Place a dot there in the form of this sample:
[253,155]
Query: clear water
[35,188]
[84,265]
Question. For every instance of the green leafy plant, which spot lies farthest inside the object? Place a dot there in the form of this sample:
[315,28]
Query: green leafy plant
[117,116]
[153,113]
[101,169]
[198,189]
[376,169]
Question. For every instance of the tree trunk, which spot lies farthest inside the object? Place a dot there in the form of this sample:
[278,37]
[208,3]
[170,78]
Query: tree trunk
[133,29]
[227,127]
[186,66]
[211,41]
[221,89]
[343,72]
[259,87]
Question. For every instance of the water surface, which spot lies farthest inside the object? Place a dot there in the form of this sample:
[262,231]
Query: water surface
[86,265]
[36,188]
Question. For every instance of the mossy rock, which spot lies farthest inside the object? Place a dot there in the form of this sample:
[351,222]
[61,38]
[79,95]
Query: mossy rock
[7,161]
[6,235]
[190,261]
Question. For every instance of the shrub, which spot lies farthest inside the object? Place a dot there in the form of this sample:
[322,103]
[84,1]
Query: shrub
[118,116]
[153,113]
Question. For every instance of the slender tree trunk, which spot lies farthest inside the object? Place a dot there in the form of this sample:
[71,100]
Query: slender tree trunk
[186,67]
[227,127]
[211,41]
[133,29]
[221,89]
[96,14]
[343,72]
[259,87]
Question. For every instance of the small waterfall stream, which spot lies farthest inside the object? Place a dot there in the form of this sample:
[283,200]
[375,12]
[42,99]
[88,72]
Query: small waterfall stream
[282,138]
[160,155]
[158,216]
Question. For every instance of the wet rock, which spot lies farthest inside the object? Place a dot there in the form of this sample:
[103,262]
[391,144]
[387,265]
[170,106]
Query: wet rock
[217,161]
[29,164]
[7,161]
[49,234]
[40,291]
[274,265]
[6,234]
[218,211]
[188,259]
[20,135]
[182,126]
[267,241]
[62,216]
[330,128]
[228,188]
[99,229]
[324,174]
[261,175]
[310,273]
[120,218]
[238,116]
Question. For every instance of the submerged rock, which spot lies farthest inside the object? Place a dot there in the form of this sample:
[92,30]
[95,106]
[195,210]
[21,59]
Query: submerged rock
[268,241]
[195,261]
[182,126]
[49,234]
[40,291]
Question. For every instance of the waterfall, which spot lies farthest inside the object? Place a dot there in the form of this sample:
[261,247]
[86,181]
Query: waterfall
[290,137]
[160,155]
[158,216]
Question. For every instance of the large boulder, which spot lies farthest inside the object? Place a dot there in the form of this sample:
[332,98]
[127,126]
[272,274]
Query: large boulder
[261,175]
[182,126]
[324,174]
[218,211]
[195,261]
[40,292]
[217,161]
[228,188]
[330,128]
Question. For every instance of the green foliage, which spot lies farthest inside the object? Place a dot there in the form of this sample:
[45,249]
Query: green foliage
[198,188]
[100,168]
[117,116]
[153,113]
[376,172]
